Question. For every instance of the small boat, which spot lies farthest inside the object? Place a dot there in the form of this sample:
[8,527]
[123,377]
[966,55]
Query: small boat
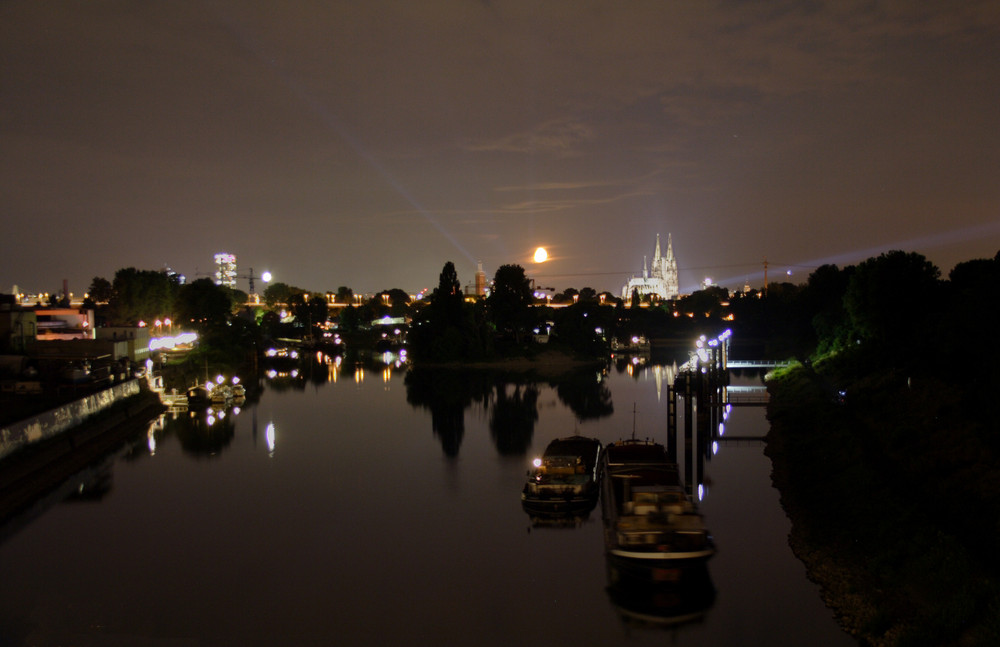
[221,394]
[564,482]
[648,517]
[638,344]
[198,397]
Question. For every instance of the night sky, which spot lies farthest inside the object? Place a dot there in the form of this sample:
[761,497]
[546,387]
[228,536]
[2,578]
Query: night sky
[367,143]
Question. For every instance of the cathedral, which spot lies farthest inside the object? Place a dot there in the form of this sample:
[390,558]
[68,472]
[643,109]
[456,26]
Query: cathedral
[661,280]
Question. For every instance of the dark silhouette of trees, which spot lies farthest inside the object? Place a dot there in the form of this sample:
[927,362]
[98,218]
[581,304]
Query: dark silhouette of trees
[705,303]
[277,293]
[509,302]
[141,295]
[344,295]
[447,329]
[100,290]
[891,301]
[205,305]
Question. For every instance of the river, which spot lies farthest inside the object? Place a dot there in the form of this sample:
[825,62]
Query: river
[358,507]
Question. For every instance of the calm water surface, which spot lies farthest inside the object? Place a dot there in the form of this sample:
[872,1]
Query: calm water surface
[373,510]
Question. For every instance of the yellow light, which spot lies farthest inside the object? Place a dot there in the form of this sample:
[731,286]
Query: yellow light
[541,255]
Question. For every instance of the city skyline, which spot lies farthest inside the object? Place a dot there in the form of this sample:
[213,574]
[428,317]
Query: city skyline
[366,145]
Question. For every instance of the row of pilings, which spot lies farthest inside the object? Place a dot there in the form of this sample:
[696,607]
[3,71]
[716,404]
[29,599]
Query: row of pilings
[699,387]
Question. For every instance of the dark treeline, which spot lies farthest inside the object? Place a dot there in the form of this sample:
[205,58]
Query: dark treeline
[885,448]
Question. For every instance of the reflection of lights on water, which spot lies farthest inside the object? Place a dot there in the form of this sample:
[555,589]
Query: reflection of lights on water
[722,429]
[715,447]
[269,436]
[701,491]
[210,420]
[151,442]
[359,375]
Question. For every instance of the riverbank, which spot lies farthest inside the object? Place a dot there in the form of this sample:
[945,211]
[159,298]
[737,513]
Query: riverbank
[34,469]
[893,509]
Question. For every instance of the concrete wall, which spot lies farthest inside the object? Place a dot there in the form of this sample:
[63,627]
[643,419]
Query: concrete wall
[58,420]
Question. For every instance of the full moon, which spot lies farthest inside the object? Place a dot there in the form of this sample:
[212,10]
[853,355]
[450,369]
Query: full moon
[541,255]
[266,276]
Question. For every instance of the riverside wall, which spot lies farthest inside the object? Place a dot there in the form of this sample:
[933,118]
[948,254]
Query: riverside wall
[62,418]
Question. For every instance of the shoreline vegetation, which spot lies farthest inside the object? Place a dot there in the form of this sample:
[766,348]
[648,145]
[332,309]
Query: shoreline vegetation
[895,520]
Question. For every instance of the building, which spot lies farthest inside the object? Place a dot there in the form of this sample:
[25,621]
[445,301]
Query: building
[480,280]
[64,323]
[225,269]
[660,280]
[18,327]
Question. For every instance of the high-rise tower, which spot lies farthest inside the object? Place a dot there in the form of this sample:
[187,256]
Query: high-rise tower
[225,269]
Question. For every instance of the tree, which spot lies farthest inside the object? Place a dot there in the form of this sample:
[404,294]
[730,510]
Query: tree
[276,293]
[446,300]
[100,290]
[823,301]
[510,300]
[888,298]
[141,295]
[704,303]
[345,295]
[318,310]
[398,301]
[204,304]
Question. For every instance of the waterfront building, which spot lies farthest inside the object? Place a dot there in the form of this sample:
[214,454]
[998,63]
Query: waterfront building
[659,280]
[225,269]
[64,324]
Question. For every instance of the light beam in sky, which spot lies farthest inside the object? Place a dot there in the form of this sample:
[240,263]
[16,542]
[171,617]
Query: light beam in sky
[335,124]
[933,241]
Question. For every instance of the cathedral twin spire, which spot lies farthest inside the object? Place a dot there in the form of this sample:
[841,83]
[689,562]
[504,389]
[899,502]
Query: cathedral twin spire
[662,280]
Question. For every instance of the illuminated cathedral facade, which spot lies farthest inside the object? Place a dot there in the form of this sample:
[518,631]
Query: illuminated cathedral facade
[660,280]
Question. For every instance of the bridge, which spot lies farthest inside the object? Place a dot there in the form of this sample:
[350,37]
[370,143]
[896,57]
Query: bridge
[755,363]
[746,395]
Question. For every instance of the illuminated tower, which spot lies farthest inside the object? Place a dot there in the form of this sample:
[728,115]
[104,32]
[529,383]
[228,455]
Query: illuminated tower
[480,280]
[225,269]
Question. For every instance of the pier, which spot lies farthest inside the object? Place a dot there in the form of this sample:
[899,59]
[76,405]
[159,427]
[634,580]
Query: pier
[701,391]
